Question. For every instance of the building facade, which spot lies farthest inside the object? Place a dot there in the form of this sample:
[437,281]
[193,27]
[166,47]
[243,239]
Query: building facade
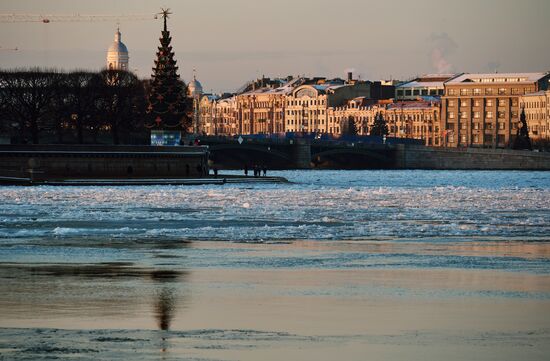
[261,111]
[537,113]
[308,105]
[482,110]
[410,119]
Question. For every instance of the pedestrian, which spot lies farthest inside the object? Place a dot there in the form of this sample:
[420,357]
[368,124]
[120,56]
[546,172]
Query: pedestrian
[246,170]
[265,170]
[215,172]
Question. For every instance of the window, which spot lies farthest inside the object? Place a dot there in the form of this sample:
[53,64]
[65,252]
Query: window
[463,126]
[433,92]
[489,115]
[463,115]
[451,115]
[501,126]
[488,91]
[502,102]
[489,103]
[416,92]
[501,91]
[476,103]
[408,92]
[464,91]
[463,138]
[477,91]
[476,115]
[451,92]
[424,91]
[476,138]
[501,115]
[451,103]
[440,92]
[515,91]
[476,126]
[463,103]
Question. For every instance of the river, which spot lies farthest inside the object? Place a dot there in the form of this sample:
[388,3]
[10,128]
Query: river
[417,265]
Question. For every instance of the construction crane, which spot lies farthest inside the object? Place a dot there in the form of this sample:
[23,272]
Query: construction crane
[46,19]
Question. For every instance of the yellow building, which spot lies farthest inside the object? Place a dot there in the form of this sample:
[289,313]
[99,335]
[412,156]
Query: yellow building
[406,119]
[537,113]
[307,105]
[261,111]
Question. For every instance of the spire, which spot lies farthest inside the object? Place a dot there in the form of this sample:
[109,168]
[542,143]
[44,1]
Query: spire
[165,13]
[118,36]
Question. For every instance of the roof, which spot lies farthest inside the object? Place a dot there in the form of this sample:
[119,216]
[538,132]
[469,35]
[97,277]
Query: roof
[428,81]
[498,78]
[421,84]
[411,105]
[117,47]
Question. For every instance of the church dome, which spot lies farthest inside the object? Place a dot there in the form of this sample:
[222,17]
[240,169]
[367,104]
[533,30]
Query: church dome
[117,54]
[194,88]
[118,47]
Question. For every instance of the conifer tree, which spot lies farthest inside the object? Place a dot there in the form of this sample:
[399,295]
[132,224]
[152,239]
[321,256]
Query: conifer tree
[522,141]
[379,127]
[167,100]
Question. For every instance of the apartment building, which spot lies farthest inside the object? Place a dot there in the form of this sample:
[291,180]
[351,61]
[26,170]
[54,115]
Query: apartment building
[482,110]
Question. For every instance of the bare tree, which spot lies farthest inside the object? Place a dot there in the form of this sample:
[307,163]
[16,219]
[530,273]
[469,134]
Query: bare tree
[30,101]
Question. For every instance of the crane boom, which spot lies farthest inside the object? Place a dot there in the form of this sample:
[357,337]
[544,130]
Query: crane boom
[46,19]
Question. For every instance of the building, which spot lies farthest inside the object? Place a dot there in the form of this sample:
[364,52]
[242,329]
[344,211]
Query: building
[207,117]
[261,111]
[117,55]
[307,106]
[195,91]
[426,85]
[409,119]
[482,110]
[537,113]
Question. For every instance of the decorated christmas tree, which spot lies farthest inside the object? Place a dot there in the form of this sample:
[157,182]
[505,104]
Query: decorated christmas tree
[379,127]
[167,100]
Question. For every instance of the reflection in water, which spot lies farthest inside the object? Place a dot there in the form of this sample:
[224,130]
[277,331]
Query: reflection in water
[166,300]
[165,308]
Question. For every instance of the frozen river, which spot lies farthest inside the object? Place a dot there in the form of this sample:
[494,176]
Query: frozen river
[353,263]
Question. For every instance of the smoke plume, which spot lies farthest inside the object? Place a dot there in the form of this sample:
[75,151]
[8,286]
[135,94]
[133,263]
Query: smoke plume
[442,47]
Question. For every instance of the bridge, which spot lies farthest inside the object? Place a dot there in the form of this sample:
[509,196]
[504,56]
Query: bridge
[298,153]
[394,153]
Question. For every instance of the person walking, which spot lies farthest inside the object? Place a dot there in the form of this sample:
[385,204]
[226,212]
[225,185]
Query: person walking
[246,170]
[265,170]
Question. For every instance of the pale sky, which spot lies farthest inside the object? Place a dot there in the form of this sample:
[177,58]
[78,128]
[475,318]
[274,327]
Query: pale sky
[230,42]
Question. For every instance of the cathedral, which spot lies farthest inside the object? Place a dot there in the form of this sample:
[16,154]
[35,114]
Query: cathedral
[117,55]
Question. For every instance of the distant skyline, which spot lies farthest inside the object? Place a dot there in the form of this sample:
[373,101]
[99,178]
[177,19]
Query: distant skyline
[230,42]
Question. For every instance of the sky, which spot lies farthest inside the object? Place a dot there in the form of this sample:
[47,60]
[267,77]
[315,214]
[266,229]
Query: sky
[230,42]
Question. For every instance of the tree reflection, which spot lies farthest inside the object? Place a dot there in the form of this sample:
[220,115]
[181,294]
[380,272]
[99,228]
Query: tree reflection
[165,303]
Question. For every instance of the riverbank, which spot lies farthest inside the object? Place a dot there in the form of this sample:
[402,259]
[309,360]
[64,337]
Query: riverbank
[209,180]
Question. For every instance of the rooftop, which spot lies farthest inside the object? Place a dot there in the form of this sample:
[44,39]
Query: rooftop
[498,78]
